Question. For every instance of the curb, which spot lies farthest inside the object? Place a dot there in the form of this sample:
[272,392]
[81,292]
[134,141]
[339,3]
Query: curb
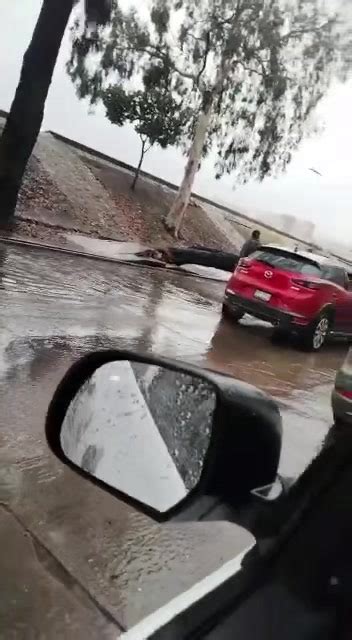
[144,263]
[80,254]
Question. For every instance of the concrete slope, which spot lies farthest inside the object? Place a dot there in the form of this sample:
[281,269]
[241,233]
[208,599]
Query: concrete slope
[74,178]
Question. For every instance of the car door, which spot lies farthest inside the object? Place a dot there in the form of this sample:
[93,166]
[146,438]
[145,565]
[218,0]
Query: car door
[341,298]
[344,311]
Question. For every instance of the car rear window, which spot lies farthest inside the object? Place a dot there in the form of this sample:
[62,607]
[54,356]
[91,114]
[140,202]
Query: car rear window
[287,262]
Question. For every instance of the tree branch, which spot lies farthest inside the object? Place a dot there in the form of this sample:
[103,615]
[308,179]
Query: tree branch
[251,70]
[197,38]
[234,16]
[154,51]
[205,58]
[257,57]
[162,56]
[229,20]
[299,32]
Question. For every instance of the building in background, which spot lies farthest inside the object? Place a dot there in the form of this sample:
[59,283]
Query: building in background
[301,229]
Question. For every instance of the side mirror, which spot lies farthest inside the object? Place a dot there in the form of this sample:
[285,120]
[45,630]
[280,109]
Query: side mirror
[163,436]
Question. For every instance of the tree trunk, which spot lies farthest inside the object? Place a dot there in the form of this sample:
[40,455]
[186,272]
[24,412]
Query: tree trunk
[175,216]
[25,118]
[138,170]
[223,260]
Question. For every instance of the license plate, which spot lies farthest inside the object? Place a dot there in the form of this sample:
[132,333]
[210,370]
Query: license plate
[262,295]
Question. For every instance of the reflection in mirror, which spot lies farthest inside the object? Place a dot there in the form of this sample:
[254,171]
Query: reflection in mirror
[142,429]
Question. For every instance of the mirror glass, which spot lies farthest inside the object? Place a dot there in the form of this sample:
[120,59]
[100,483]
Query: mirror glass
[142,429]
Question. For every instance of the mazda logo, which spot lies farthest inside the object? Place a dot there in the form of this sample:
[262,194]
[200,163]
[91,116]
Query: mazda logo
[268,274]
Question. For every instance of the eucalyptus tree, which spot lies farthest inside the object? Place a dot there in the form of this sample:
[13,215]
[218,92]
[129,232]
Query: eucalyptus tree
[251,71]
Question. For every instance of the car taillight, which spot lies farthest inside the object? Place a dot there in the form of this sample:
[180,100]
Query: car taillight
[305,284]
[345,393]
[243,265]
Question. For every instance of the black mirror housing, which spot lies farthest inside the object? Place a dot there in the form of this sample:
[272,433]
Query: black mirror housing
[245,439]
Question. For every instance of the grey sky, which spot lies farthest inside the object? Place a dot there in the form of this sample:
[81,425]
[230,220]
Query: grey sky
[326,200]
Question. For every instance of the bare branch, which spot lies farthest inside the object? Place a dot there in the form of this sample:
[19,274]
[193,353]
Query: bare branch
[251,70]
[311,29]
[155,51]
[205,58]
[196,38]
[261,63]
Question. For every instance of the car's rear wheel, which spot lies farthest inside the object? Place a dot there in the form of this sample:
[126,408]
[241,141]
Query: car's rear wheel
[315,337]
[234,314]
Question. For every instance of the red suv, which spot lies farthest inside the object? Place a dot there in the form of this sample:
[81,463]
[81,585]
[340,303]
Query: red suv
[297,292]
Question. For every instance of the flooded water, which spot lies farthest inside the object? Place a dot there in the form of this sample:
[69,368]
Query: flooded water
[55,308]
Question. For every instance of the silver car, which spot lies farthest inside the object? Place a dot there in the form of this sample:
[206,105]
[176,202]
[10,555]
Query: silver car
[342,393]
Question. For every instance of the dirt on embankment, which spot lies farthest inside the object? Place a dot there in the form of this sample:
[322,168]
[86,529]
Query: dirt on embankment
[65,191]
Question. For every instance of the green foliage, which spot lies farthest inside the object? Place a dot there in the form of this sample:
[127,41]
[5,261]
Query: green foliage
[98,11]
[155,111]
[160,17]
[157,117]
[155,114]
[262,66]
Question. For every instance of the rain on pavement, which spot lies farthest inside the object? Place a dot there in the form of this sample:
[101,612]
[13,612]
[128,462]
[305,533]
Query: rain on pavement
[75,548]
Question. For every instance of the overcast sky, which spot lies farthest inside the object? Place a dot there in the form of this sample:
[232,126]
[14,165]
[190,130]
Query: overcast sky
[325,200]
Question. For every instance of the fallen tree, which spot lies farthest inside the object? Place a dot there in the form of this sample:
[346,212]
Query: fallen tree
[188,255]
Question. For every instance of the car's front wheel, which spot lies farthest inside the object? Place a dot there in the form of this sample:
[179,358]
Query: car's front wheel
[315,337]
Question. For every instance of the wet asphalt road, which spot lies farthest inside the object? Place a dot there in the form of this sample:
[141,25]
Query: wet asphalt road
[76,556]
